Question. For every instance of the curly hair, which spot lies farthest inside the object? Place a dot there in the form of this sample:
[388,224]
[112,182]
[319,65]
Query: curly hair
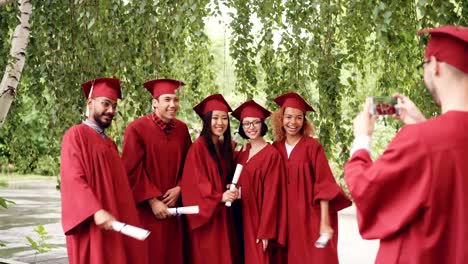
[277,123]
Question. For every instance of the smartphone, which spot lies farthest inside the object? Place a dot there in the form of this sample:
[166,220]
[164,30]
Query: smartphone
[384,105]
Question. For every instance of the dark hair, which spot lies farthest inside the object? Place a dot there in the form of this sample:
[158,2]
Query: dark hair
[263,131]
[226,146]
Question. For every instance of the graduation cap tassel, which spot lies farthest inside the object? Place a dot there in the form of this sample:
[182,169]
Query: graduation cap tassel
[89,96]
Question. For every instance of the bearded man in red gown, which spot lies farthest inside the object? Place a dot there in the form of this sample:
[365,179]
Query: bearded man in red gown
[94,186]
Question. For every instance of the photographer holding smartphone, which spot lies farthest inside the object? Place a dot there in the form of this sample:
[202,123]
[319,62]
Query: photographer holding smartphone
[413,197]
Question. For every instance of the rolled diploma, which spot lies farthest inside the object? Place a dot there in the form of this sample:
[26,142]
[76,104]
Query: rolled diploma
[235,179]
[322,241]
[131,231]
[184,210]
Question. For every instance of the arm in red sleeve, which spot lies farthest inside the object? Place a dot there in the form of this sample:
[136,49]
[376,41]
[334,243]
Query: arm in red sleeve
[78,199]
[325,187]
[390,192]
[198,179]
[133,154]
[187,144]
[272,218]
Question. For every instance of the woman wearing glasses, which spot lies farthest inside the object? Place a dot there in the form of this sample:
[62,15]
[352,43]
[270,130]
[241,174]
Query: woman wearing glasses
[262,183]
[313,195]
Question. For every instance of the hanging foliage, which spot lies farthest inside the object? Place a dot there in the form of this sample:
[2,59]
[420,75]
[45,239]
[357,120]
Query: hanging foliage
[333,52]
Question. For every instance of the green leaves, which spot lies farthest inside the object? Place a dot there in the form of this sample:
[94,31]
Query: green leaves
[4,202]
[40,245]
[334,53]
[76,41]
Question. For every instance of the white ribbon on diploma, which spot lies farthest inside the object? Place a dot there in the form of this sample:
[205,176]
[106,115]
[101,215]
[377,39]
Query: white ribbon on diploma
[322,241]
[235,179]
[131,231]
[184,210]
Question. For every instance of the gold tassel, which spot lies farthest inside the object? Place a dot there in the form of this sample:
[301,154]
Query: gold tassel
[89,96]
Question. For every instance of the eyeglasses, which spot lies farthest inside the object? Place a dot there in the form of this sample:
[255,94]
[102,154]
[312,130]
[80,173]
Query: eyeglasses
[253,123]
[106,103]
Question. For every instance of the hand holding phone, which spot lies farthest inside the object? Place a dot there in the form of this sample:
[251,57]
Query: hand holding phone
[408,112]
[384,105]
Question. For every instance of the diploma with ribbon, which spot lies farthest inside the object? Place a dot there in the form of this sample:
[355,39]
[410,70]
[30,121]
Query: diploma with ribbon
[184,210]
[235,179]
[131,231]
[322,241]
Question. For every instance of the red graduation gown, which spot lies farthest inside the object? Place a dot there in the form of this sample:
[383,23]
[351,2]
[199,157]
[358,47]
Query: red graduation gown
[263,201]
[309,181]
[413,197]
[153,161]
[93,178]
[212,232]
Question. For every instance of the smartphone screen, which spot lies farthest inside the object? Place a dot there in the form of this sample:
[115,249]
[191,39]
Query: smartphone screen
[384,105]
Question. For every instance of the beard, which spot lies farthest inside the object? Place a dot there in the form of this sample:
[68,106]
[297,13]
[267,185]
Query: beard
[428,80]
[433,91]
[102,123]
[435,97]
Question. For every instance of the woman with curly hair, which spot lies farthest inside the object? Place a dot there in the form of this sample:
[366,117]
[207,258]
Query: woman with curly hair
[314,197]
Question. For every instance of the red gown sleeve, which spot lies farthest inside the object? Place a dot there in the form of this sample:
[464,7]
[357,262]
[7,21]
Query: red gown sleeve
[78,199]
[133,157]
[187,144]
[273,213]
[198,185]
[390,192]
[325,187]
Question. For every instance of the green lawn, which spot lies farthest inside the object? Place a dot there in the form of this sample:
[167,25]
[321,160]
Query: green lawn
[6,177]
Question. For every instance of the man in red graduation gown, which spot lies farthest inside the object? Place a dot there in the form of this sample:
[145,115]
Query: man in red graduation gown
[94,187]
[154,151]
[413,197]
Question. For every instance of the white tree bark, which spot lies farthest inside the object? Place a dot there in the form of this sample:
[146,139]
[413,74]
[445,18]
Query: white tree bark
[4,2]
[13,70]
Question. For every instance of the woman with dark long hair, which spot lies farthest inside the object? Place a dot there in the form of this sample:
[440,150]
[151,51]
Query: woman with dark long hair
[314,197]
[208,169]
[263,185]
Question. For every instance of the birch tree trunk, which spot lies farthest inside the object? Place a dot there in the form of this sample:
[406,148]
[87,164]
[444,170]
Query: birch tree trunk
[15,66]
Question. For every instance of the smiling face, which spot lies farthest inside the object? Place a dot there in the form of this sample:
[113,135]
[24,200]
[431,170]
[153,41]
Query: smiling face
[252,127]
[293,121]
[102,111]
[166,106]
[219,122]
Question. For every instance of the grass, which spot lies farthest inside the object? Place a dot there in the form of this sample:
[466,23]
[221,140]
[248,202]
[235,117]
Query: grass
[7,177]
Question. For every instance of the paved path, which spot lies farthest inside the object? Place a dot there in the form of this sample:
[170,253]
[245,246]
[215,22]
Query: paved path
[352,249]
[37,202]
